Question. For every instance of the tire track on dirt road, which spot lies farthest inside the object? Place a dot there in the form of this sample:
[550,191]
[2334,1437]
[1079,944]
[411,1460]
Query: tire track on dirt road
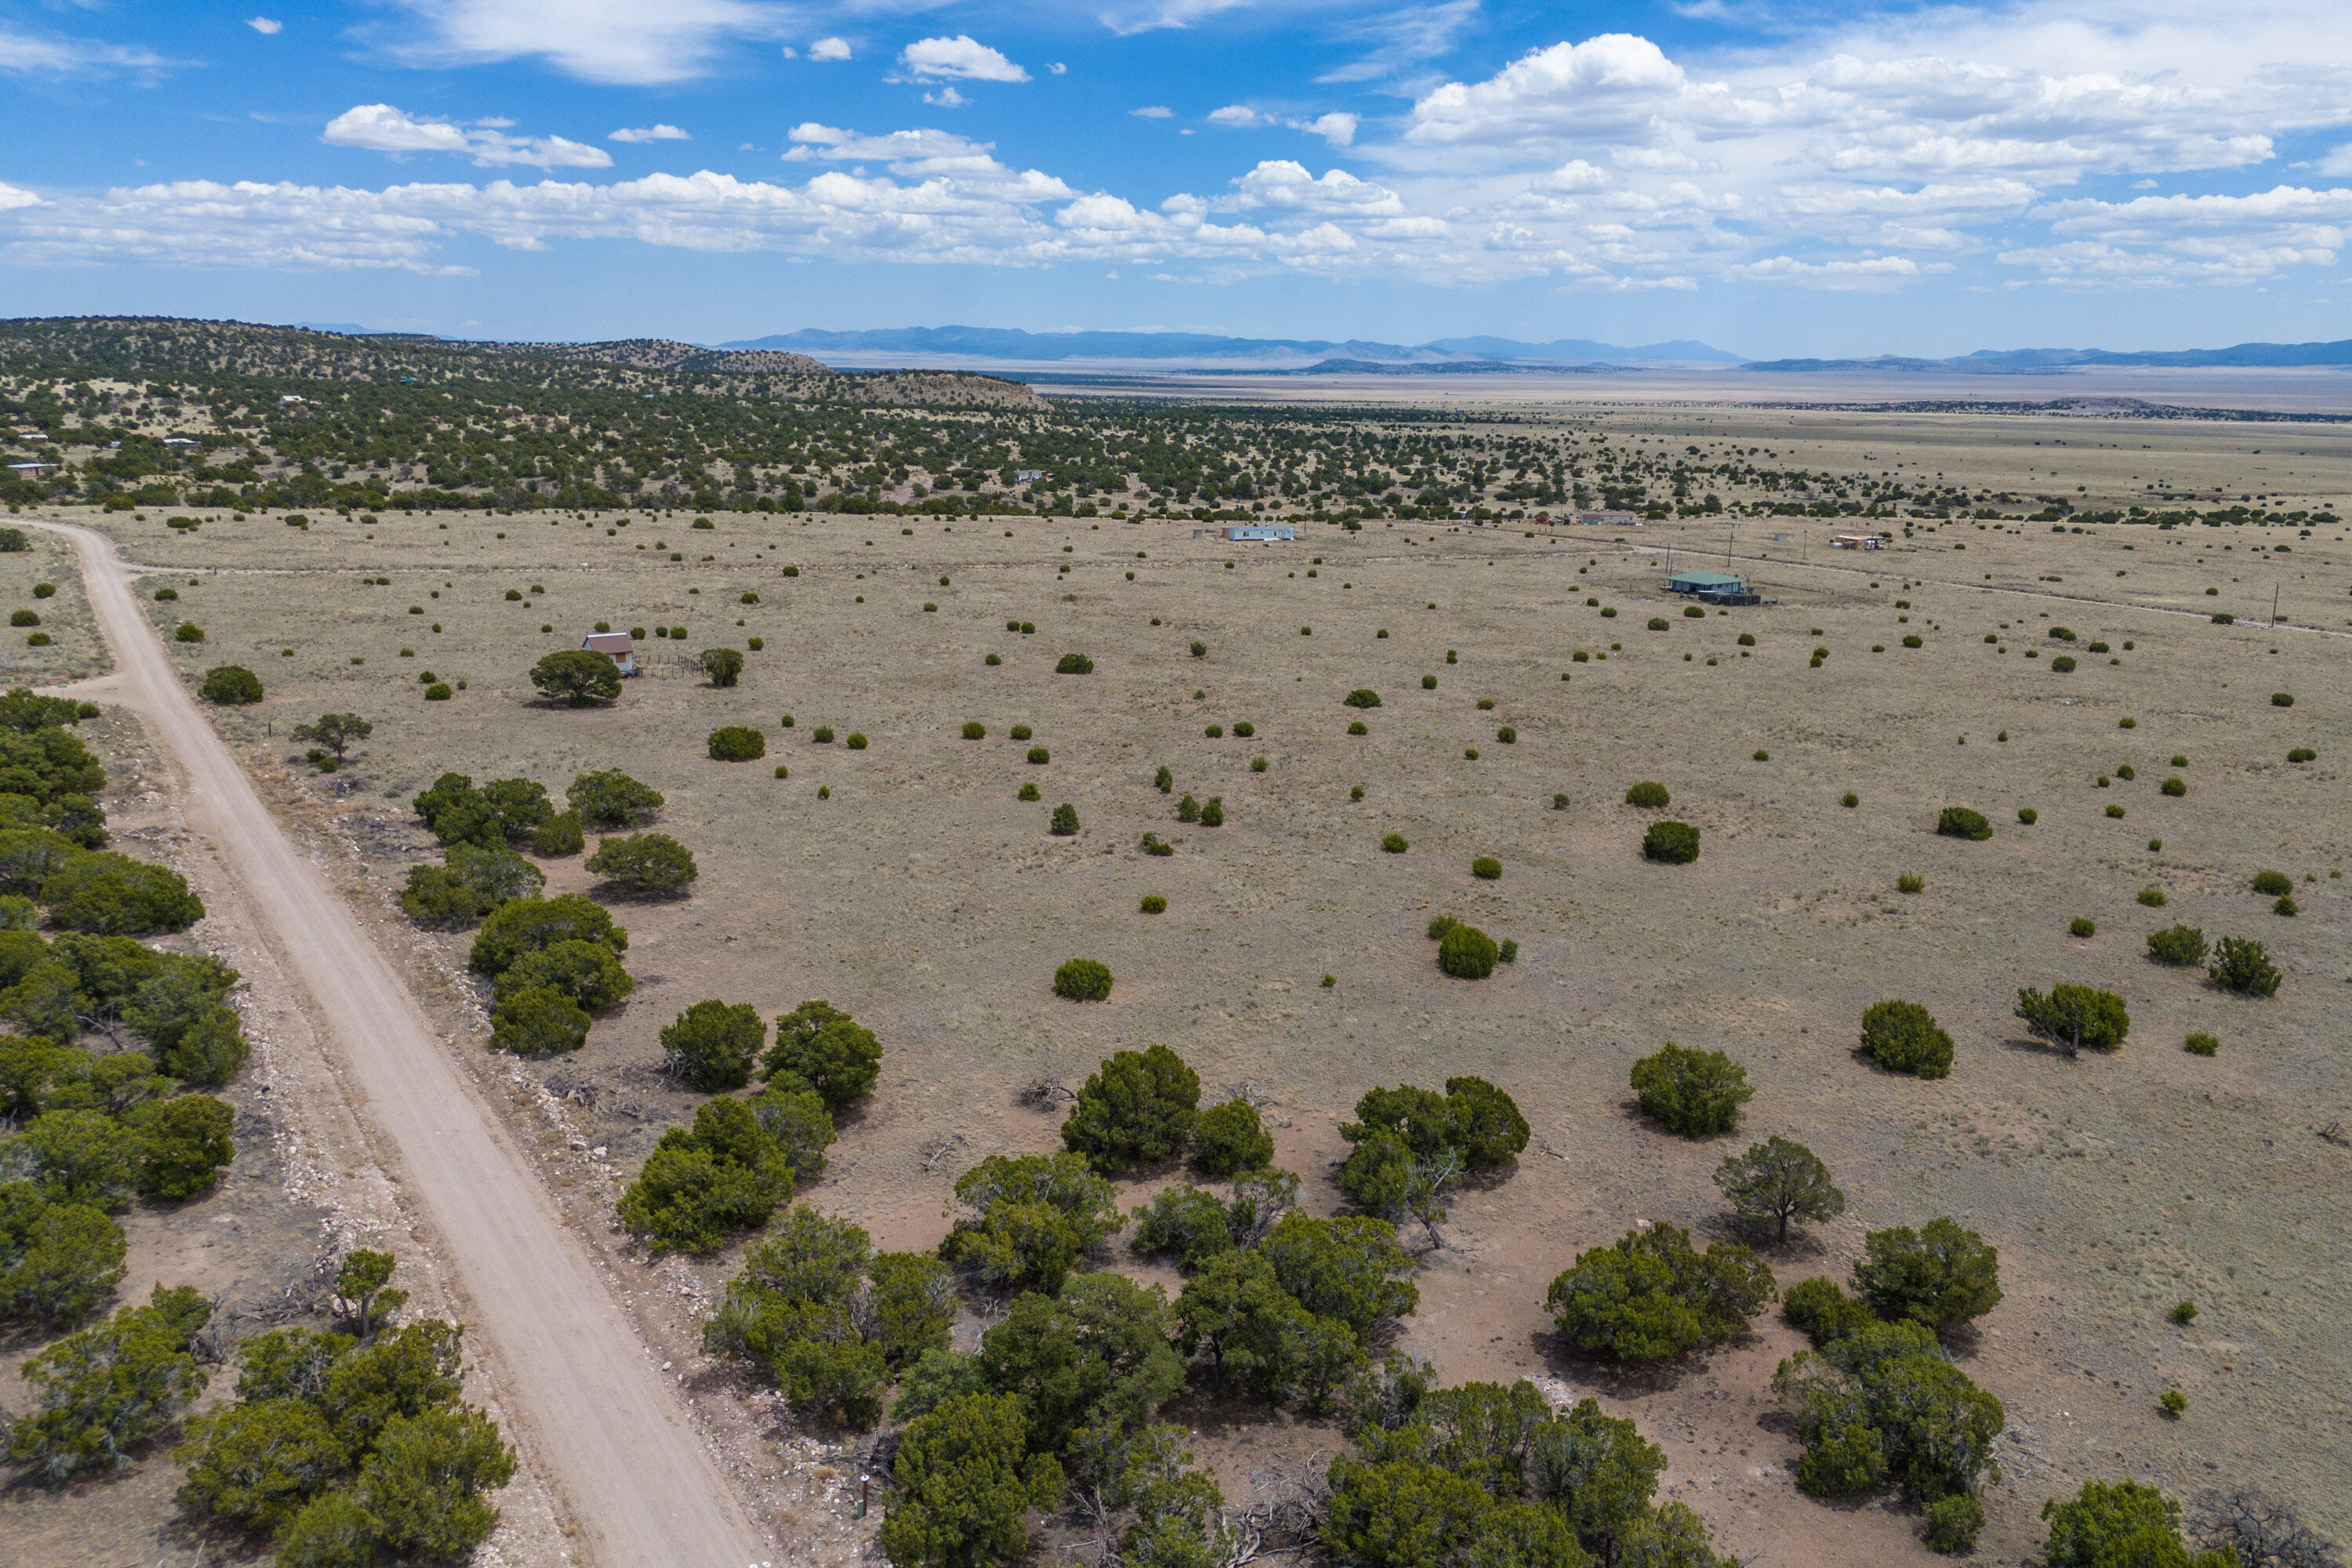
[596,1413]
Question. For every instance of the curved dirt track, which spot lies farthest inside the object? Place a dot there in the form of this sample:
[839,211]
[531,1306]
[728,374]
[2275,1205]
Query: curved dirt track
[601,1419]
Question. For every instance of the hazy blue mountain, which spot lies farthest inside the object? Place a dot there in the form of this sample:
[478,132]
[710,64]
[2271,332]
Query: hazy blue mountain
[1011,344]
[2043,361]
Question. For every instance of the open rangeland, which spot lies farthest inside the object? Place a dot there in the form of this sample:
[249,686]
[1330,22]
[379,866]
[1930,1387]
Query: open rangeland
[905,882]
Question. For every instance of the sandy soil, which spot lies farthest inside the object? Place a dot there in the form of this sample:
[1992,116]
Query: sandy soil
[602,1420]
[922,895]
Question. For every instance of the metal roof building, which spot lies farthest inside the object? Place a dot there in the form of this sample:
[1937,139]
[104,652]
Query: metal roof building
[1705,583]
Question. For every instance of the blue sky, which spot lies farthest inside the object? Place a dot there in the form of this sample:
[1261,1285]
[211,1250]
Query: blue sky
[1774,178]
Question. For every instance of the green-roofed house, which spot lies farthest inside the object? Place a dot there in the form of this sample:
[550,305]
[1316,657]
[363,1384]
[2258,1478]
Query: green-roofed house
[1707,582]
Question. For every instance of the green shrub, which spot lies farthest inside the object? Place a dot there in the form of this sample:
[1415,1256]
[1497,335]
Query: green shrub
[2154,899]
[1910,883]
[209,1052]
[1027,792]
[576,678]
[2281,700]
[1959,821]
[2200,1045]
[711,1045]
[2082,926]
[2273,884]
[1429,683]
[1824,1312]
[800,1123]
[1065,823]
[439,691]
[1902,1037]
[2064,664]
[111,894]
[1039,756]
[1486,868]
[1137,1108]
[184,1143]
[2075,1016]
[2174,787]
[1439,925]
[973,730]
[58,1260]
[2115,811]
[230,684]
[1184,1225]
[1212,812]
[475,879]
[724,665]
[1466,952]
[188,631]
[1649,795]
[528,925]
[644,865]
[1153,904]
[1362,696]
[1691,1093]
[2121,1522]
[855,742]
[1030,1219]
[1393,843]
[2301,755]
[2242,964]
[1939,1276]
[1658,623]
[1884,1402]
[538,1021]
[965,1485]
[1083,979]
[586,972]
[101,1394]
[1229,1139]
[1651,1296]
[1778,1181]
[1508,952]
[1670,843]
[699,1185]
[824,1047]
[1075,664]
[2027,815]
[2182,1313]
[737,743]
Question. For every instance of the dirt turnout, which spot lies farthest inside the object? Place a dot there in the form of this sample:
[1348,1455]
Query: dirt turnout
[597,1414]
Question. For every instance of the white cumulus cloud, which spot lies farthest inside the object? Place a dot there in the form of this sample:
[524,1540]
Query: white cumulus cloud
[629,42]
[829,49]
[960,59]
[268,26]
[1234,114]
[650,133]
[1337,127]
[380,128]
[1153,112]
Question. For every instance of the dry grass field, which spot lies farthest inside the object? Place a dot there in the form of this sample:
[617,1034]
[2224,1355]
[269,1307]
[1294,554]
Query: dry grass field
[907,883]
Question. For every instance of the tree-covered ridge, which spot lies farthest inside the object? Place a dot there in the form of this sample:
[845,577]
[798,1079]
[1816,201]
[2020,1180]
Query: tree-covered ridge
[159,413]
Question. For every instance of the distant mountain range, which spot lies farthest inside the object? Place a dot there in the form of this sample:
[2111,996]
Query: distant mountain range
[1011,344]
[2046,361]
[952,347]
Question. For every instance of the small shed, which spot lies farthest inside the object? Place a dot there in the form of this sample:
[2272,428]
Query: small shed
[618,646]
[1267,532]
[1706,583]
[1856,541]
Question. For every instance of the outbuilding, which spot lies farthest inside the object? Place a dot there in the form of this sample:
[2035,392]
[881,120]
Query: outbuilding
[1707,582]
[1264,532]
[618,646]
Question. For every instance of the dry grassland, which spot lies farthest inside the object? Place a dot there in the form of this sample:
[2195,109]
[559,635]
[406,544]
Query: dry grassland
[926,898]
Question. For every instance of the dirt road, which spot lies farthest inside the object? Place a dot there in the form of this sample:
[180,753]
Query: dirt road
[600,1417]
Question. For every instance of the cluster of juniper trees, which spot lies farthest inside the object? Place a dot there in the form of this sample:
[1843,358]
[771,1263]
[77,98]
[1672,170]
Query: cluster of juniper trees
[345,1446]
